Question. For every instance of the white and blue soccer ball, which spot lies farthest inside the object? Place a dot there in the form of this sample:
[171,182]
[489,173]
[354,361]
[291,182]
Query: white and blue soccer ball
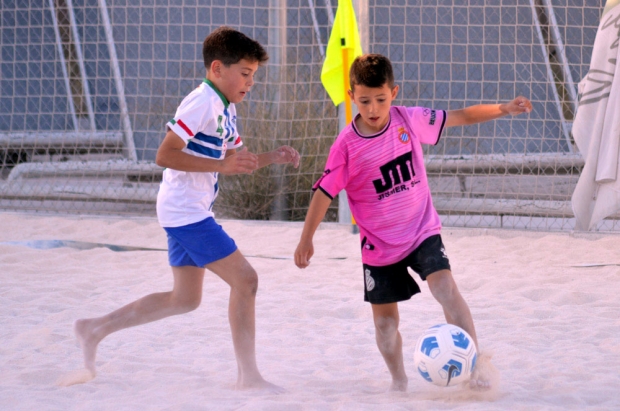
[445,355]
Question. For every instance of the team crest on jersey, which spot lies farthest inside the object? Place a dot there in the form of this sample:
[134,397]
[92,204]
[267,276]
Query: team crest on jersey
[403,137]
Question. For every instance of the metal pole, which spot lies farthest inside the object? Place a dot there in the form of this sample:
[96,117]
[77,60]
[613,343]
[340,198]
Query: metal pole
[78,52]
[330,12]
[277,63]
[315,23]
[556,95]
[130,148]
[561,54]
[63,64]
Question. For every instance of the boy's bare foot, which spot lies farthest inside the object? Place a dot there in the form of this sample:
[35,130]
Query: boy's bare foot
[485,376]
[261,385]
[84,335]
[75,377]
[399,385]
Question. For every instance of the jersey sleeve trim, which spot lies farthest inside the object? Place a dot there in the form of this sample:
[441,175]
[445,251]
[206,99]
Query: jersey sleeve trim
[324,192]
[184,127]
[180,129]
[443,123]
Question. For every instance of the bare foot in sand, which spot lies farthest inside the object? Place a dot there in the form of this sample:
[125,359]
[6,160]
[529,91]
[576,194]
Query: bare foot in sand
[84,333]
[399,385]
[75,377]
[260,385]
[485,376]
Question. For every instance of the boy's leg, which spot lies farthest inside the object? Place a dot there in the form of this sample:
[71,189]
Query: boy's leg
[184,297]
[444,289]
[243,282]
[390,342]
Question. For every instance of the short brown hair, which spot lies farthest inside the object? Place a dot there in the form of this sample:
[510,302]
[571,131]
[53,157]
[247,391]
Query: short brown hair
[371,70]
[231,46]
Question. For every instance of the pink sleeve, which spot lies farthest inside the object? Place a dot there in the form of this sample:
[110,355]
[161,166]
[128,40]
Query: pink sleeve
[427,123]
[336,174]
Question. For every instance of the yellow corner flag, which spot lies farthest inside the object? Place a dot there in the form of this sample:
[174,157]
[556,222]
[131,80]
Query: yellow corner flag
[343,47]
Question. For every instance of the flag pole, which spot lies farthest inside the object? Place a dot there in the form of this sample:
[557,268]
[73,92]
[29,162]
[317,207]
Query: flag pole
[348,115]
[347,99]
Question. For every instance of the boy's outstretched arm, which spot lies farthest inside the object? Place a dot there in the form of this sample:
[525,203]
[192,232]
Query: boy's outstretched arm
[281,155]
[171,155]
[318,207]
[486,112]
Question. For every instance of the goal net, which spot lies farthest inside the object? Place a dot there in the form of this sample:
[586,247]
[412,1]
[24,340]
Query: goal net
[88,86]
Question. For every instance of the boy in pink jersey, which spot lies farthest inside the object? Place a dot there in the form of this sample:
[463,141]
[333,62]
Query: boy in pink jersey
[378,160]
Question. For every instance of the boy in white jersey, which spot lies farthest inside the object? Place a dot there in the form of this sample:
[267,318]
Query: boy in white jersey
[378,160]
[201,143]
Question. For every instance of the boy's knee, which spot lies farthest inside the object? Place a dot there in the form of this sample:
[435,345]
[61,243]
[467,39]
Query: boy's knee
[248,280]
[187,304]
[193,303]
[386,325]
[441,285]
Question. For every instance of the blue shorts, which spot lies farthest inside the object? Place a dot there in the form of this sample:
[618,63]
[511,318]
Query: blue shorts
[198,244]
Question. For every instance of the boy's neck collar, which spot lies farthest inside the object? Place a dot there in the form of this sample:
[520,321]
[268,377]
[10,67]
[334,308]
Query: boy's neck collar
[219,93]
[372,134]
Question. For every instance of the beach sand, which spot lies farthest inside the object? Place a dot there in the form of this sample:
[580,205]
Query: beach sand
[547,313]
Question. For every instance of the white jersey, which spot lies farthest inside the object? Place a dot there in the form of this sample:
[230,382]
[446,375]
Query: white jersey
[207,123]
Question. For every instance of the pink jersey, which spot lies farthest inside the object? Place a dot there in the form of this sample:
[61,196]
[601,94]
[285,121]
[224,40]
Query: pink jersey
[385,180]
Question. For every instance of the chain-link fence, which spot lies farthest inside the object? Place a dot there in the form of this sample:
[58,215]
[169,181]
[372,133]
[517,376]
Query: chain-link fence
[88,86]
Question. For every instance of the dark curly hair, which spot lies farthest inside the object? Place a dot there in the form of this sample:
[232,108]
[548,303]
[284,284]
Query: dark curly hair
[231,46]
[371,70]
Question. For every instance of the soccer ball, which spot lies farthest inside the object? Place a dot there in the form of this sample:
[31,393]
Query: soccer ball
[445,355]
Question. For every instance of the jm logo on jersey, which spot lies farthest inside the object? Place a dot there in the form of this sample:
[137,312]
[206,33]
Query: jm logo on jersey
[395,173]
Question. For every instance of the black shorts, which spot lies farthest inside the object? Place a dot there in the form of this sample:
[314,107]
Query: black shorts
[393,283]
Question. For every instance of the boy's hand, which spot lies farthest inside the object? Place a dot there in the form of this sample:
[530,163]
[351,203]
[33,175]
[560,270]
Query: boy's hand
[285,155]
[241,162]
[303,254]
[517,106]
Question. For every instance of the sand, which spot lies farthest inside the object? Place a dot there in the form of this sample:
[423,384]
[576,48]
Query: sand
[545,304]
